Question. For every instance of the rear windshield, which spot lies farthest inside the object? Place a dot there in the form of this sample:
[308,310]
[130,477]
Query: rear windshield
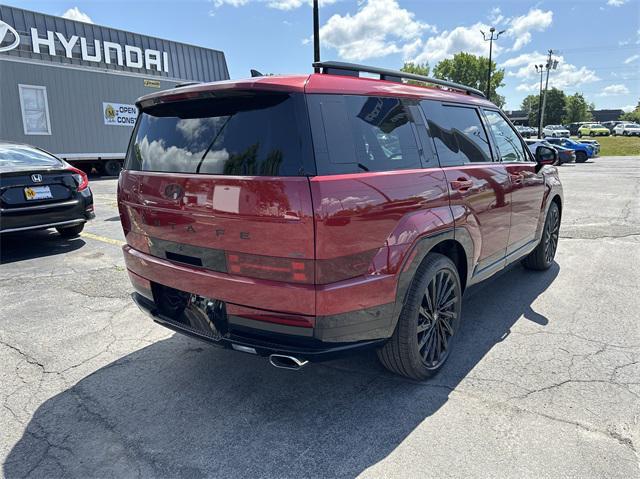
[252,135]
[20,156]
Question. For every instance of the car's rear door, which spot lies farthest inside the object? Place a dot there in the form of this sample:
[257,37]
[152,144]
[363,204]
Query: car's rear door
[526,185]
[221,183]
[478,185]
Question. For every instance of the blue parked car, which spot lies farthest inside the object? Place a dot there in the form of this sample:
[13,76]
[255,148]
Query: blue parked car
[583,151]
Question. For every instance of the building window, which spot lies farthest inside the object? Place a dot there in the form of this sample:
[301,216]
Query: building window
[35,110]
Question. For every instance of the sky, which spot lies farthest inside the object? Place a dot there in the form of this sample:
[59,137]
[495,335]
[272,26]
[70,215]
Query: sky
[596,42]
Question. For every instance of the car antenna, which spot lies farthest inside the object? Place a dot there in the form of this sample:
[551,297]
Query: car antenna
[316,36]
[255,73]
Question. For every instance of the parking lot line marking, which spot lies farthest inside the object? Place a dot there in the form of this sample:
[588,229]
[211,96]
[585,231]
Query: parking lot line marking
[104,239]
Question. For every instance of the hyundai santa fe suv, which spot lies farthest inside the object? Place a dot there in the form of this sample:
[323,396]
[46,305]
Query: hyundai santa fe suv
[304,217]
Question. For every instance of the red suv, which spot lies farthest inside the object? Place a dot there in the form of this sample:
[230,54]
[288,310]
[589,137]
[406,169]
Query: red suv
[303,217]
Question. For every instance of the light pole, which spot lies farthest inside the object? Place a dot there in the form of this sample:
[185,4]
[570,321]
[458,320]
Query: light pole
[540,69]
[551,65]
[490,39]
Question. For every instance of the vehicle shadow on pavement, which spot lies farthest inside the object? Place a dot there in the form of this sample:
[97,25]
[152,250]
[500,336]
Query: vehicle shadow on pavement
[35,244]
[181,408]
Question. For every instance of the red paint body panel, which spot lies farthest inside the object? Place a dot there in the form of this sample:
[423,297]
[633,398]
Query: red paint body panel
[262,294]
[527,193]
[259,215]
[484,209]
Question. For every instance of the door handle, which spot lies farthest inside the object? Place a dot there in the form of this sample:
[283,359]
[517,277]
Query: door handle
[517,179]
[461,184]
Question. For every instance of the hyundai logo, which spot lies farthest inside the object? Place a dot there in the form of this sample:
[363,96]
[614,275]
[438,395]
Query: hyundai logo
[36,178]
[4,29]
[173,191]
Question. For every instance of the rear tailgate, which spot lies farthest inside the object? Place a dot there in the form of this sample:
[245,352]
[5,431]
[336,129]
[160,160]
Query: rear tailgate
[218,187]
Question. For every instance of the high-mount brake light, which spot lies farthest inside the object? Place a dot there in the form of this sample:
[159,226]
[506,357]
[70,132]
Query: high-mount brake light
[81,178]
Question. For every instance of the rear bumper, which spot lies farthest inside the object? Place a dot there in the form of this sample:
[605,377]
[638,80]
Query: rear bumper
[284,314]
[64,213]
[259,344]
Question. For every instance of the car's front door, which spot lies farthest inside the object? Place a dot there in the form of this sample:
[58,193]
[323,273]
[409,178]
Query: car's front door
[526,185]
[478,185]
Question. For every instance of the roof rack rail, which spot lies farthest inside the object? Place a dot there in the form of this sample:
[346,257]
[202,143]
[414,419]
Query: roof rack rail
[353,69]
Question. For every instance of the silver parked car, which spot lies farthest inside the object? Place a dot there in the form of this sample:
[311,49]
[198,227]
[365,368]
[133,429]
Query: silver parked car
[626,129]
[555,131]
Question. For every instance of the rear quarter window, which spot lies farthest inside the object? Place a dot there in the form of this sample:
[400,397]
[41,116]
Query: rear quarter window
[355,134]
[247,135]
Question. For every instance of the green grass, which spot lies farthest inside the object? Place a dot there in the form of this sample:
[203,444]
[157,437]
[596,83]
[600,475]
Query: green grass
[617,145]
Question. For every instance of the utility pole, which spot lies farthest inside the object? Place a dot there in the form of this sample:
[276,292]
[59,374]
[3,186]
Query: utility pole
[316,35]
[490,39]
[540,69]
[551,65]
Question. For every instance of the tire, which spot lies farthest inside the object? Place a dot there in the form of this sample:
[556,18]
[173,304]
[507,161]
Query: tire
[541,258]
[581,157]
[112,168]
[579,135]
[71,231]
[436,279]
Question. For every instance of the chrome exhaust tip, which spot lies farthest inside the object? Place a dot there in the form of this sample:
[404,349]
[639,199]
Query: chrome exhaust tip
[283,361]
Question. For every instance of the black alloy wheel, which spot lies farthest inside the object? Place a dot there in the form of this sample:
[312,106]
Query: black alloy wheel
[430,318]
[437,318]
[542,256]
[551,234]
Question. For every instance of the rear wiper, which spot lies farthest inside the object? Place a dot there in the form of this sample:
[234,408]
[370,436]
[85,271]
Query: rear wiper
[212,143]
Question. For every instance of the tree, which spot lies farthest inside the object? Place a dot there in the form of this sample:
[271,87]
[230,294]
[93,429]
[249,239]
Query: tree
[577,109]
[632,115]
[554,108]
[471,70]
[417,69]
[531,104]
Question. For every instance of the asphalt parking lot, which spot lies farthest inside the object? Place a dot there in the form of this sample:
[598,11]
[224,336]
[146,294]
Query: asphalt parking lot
[545,381]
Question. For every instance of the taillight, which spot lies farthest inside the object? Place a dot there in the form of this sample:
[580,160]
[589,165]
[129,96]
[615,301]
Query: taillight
[81,178]
[269,267]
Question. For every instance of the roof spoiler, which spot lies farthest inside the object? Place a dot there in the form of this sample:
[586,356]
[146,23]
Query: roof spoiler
[353,69]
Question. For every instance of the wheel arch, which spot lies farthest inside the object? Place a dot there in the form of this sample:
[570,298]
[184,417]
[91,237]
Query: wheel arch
[445,243]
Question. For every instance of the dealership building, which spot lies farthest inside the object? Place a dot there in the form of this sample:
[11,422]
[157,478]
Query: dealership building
[70,87]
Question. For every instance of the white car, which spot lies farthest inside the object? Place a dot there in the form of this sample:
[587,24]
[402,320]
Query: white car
[555,131]
[626,129]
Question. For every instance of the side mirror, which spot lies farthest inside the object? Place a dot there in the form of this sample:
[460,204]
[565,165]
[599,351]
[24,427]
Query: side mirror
[546,155]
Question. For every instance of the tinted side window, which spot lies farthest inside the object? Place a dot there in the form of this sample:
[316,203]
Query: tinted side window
[362,134]
[458,134]
[508,142]
[254,134]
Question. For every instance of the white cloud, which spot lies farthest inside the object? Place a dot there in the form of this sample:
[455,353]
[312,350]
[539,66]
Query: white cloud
[450,42]
[495,16]
[378,28]
[520,28]
[74,13]
[615,89]
[469,39]
[233,3]
[616,3]
[628,108]
[291,4]
[566,76]
[632,58]
[278,4]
